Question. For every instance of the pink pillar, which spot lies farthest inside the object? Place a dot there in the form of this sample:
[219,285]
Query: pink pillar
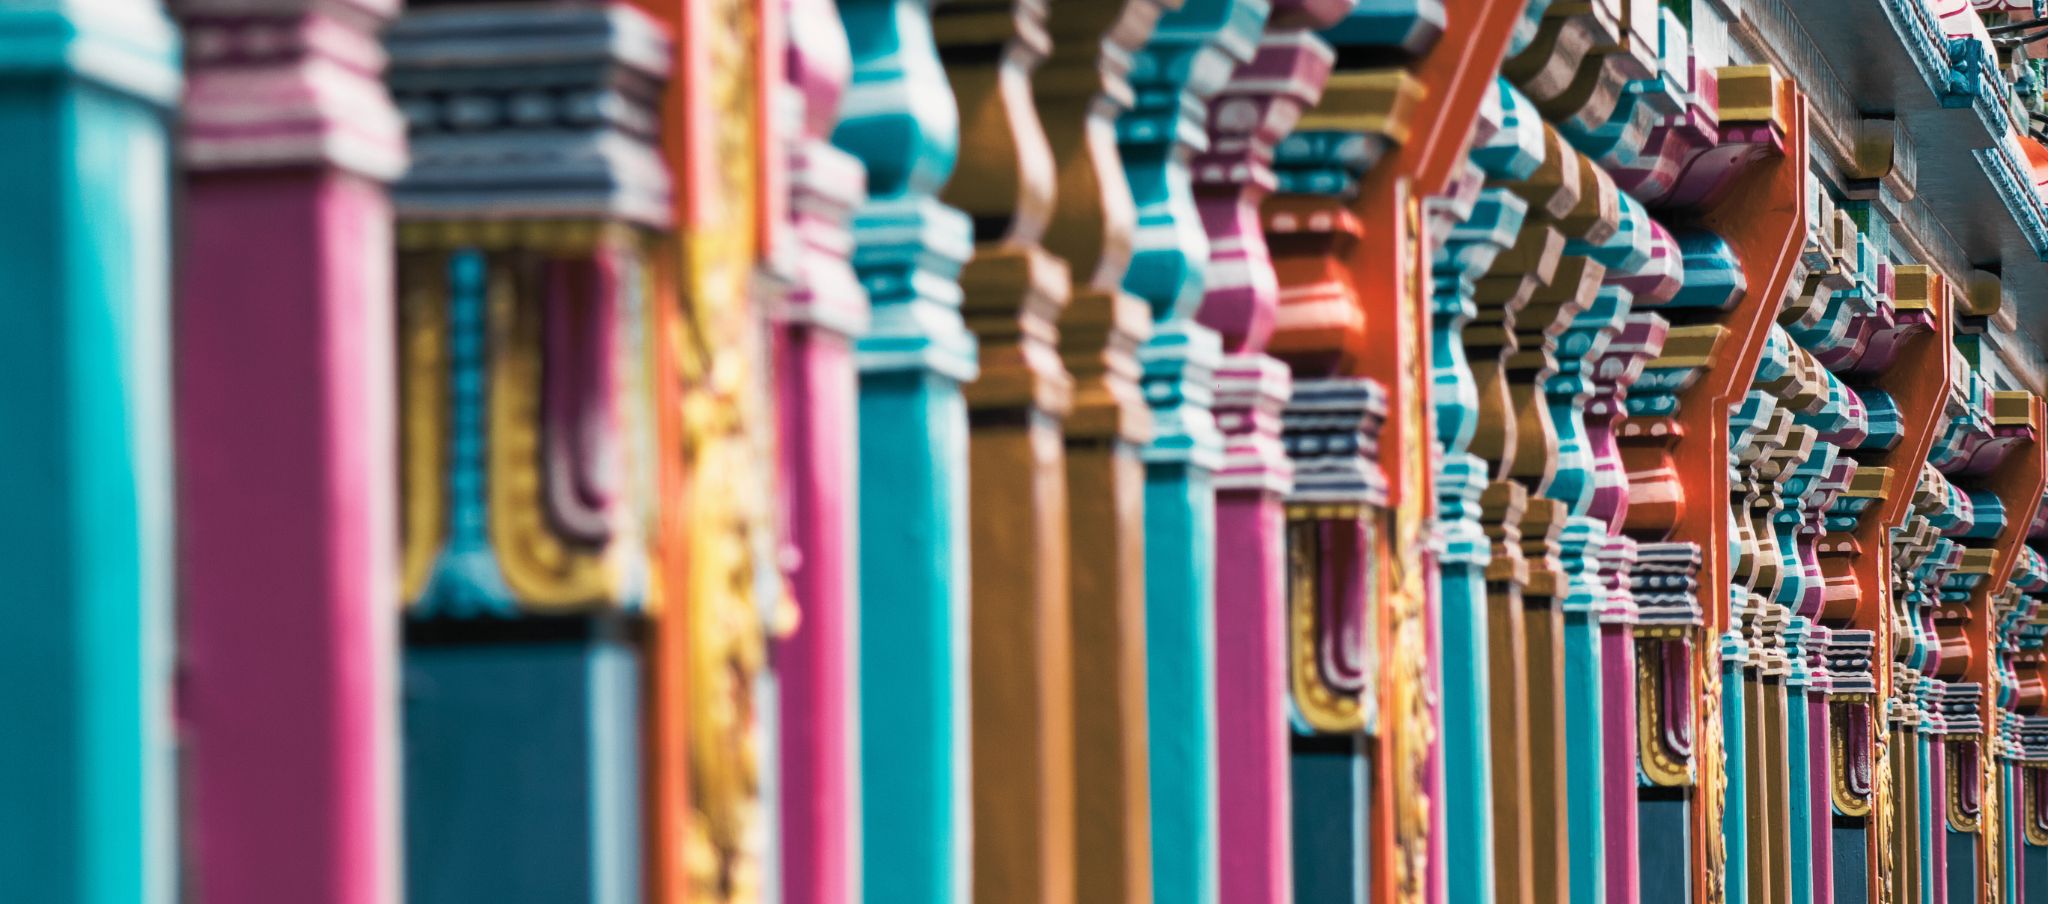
[824,309]
[1256,843]
[1247,119]
[1618,759]
[1821,792]
[285,439]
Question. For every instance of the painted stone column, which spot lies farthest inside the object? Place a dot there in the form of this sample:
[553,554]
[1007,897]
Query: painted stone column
[523,327]
[1188,59]
[1246,119]
[287,485]
[817,402]
[1081,89]
[87,465]
[1023,704]
[899,121]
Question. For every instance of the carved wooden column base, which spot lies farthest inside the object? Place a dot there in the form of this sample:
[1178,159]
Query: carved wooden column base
[1665,584]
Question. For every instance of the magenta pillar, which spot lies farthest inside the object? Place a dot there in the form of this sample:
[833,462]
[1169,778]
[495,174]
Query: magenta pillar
[283,342]
[824,309]
[1247,119]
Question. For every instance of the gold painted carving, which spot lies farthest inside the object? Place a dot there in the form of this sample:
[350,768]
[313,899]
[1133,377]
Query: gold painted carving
[541,570]
[722,600]
[423,374]
[1655,761]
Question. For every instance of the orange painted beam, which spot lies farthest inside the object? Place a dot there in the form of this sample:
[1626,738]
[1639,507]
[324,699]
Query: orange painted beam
[2019,483]
[1762,216]
[667,791]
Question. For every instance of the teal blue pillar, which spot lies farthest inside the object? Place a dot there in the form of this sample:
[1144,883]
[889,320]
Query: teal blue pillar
[1619,260]
[1932,818]
[1189,57]
[85,469]
[2010,839]
[1735,750]
[902,125]
[1583,539]
[1799,741]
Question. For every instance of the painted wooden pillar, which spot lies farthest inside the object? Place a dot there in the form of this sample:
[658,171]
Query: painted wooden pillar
[1604,74]
[1541,290]
[1904,329]
[1483,232]
[524,304]
[1564,321]
[898,120]
[1190,56]
[1920,553]
[1753,194]
[1510,158]
[1769,445]
[1079,91]
[1637,265]
[1941,663]
[821,313]
[1022,705]
[1843,280]
[1617,367]
[84,98]
[2010,471]
[1250,115]
[288,491]
[1343,580]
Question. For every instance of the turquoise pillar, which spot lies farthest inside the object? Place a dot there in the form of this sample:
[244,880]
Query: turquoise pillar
[1189,57]
[1567,392]
[1931,817]
[2010,832]
[908,250]
[1735,747]
[85,469]
[1799,743]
